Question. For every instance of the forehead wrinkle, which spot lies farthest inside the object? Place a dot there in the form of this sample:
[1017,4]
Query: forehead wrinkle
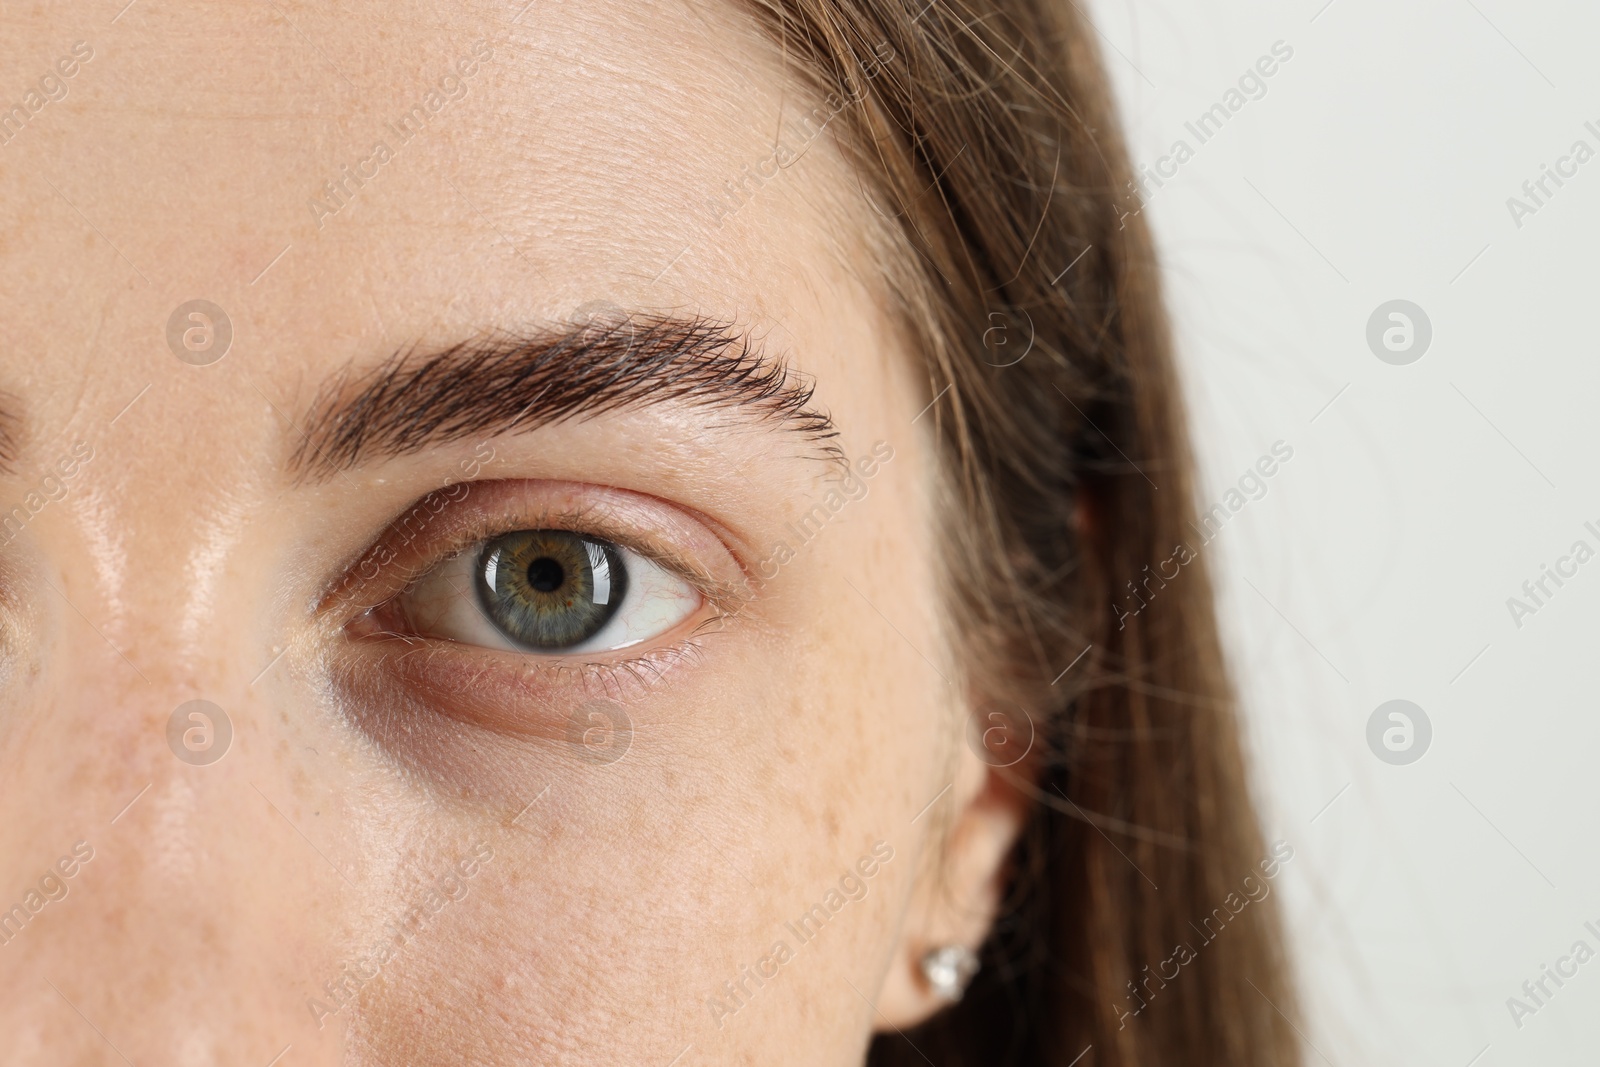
[506,382]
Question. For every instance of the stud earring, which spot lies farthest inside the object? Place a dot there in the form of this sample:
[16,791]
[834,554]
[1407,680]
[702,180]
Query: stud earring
[948,969]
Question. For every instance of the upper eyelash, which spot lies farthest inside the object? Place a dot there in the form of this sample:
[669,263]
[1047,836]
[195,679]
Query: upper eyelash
[479,530]
[704,585]
[596,670]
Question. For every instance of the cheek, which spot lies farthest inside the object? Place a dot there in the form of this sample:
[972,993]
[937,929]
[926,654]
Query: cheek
[754,779]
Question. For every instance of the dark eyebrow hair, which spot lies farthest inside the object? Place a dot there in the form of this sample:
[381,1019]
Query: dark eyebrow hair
[505,382]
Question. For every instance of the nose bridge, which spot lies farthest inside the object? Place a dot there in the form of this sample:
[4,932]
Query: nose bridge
[158,844]
[161,528]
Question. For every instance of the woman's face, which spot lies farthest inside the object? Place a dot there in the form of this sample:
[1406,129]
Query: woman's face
[681,779]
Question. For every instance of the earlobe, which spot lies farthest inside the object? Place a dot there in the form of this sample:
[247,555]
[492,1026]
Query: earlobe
[959,892]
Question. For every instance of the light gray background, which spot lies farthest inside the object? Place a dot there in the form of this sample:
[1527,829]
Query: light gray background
[1377,166]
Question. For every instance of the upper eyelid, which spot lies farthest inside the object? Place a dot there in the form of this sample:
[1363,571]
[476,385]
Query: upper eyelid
[406,565]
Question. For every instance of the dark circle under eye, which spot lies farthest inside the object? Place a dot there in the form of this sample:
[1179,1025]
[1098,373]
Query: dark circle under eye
[550,589]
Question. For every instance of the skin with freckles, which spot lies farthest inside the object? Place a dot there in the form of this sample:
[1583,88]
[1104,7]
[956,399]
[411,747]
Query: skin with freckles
[417,849]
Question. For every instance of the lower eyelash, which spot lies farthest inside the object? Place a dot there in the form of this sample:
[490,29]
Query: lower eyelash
[620,680]
[645,668]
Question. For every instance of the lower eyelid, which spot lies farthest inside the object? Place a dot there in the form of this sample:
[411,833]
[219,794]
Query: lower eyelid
[407,699]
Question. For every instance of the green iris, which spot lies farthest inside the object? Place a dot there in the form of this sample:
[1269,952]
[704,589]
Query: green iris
[550,589]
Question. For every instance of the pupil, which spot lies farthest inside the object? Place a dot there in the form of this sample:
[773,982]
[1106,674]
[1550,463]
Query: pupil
[546,575]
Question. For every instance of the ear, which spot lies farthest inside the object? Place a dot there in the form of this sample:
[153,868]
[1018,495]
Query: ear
[963,878]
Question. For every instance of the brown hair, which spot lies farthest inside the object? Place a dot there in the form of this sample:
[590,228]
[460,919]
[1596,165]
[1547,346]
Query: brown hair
[984,133]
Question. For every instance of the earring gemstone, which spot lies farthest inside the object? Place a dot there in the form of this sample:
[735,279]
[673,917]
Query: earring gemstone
[948,969]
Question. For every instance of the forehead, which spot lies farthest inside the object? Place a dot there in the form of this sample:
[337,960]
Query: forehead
[342,180]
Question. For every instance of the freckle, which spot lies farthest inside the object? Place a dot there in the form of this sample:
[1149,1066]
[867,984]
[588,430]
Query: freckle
[830,819]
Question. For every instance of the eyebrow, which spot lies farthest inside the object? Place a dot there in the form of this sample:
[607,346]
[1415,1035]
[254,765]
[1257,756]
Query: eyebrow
[506,382]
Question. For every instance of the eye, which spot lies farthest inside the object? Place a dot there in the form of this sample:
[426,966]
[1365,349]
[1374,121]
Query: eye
[547,591]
